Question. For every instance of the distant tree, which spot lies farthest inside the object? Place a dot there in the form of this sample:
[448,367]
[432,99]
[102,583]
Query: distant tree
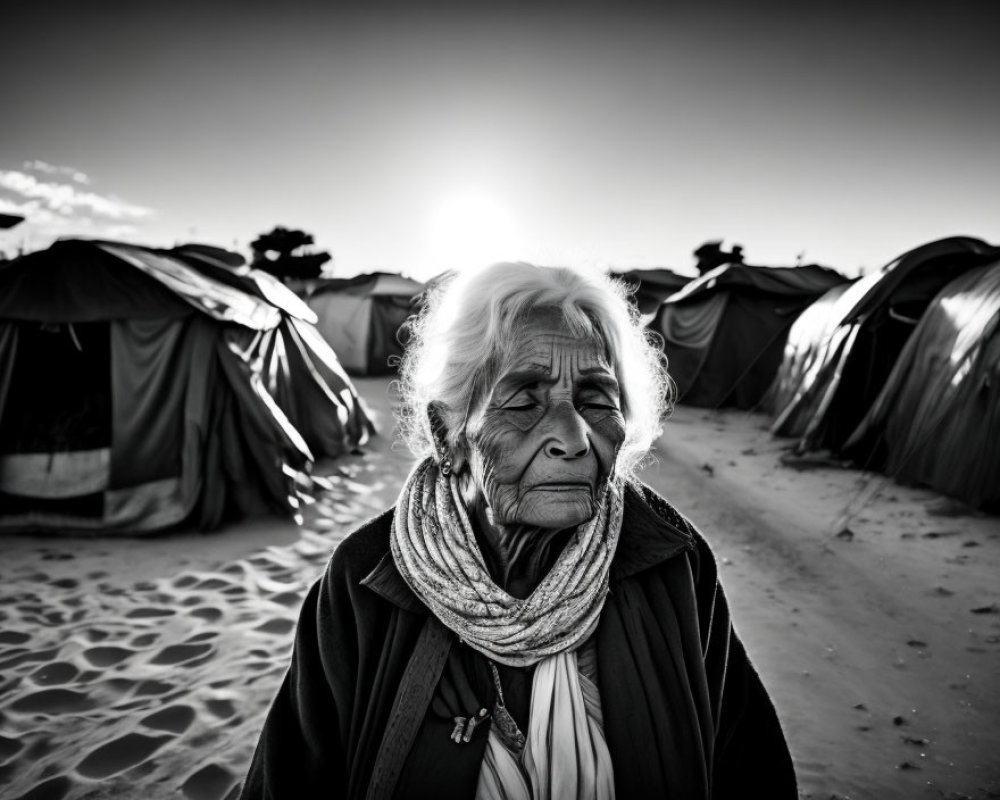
[711,255]
[274,252]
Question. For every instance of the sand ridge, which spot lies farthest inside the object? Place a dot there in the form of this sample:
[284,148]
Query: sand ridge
[97,683]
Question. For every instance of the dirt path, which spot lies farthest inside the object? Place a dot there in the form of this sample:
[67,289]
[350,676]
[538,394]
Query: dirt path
[881,646]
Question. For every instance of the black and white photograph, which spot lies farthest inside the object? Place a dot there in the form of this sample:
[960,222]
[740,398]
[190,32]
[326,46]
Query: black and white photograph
[499,401]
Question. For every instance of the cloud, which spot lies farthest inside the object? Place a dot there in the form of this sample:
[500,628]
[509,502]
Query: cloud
[66,199]
[42,218]
[55,207]
[52,169]
[8,206]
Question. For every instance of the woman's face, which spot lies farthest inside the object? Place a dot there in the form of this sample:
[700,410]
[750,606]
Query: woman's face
[544,441]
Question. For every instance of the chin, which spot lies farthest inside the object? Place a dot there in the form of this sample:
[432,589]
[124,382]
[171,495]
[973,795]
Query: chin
[560,515]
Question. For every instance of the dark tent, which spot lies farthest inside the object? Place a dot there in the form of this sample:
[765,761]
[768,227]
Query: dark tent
[724,333]
[936,421]
[300,370]
[835,367]
[651,286]
[360,317]
[132,396]
[815,336]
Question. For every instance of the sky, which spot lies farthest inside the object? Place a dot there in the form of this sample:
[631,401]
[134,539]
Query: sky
[418,137]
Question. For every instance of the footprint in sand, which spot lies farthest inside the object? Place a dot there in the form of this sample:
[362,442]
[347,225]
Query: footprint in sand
[14,637]
[179,653]
[144,639]
[223,709]
[120,754]
[50,556]
[53,701]
[55,673]
[287,599]
[211,782]
[276,625]
[52,789]
[210,584]
[107,656]
[175,719]
[150,613]
[207,613]
[153,688]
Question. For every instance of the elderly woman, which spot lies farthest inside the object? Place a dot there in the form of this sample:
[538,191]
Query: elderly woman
[529,621]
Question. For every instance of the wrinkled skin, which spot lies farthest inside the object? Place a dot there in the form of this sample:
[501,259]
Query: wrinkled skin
[540,449]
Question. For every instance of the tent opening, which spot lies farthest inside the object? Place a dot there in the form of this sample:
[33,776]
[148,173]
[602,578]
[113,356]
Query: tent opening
[55,429]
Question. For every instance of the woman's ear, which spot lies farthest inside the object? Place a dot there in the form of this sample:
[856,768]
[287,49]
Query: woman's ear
[439,432]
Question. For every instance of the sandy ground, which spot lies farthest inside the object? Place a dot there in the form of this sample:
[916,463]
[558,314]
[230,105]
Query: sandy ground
[143,667]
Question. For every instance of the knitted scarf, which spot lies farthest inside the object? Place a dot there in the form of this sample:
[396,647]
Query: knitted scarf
[437,554]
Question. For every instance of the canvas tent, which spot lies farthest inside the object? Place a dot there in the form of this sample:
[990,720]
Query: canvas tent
[360,317]
[298,367]
[133,396]
[936,421]
[839,357]
[724,333]
[651,287]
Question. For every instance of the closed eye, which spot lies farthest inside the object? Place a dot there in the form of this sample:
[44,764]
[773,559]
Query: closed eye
[598,406]
[523,399]
[597,399]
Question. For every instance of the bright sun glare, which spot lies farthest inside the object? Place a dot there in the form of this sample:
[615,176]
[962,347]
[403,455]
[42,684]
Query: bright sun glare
[470,229]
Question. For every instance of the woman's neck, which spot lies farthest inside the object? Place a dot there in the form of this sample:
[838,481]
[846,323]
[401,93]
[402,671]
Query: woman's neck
[518,557]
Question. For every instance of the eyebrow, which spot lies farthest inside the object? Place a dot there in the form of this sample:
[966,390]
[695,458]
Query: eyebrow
[532,373]
[601,377]
[529,374]
[598,372]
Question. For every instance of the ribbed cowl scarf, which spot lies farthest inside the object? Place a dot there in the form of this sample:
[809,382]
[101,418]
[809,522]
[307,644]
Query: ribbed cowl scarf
[438,556]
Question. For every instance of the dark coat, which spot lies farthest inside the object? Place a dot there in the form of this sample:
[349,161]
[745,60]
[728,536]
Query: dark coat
[359,713]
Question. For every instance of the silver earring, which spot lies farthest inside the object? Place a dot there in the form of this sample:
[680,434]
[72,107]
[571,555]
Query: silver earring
[446,466]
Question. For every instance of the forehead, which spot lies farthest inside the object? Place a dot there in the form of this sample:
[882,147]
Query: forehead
[545,344]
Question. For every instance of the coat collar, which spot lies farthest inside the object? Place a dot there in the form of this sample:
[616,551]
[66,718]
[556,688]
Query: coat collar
[652,532]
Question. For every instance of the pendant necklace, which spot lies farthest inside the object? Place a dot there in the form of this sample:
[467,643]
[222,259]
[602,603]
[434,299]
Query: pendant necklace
[507,729]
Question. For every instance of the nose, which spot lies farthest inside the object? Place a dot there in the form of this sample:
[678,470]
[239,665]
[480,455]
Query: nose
[567,436]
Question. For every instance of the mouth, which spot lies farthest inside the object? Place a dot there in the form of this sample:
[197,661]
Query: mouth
[562,486]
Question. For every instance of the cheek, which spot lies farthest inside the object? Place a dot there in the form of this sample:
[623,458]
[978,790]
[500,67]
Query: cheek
[607,436]
[498,491]
[503,448]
